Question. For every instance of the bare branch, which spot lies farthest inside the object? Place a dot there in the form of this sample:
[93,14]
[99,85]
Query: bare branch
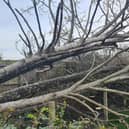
[39,27]
[92,19]
[18,21]
[36,40]
[51,12]
[100,105]
[83,104]
[57,30]
[113,21]
[72,21]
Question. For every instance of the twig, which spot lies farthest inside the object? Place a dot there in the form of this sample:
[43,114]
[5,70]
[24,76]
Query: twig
[57,30]
[100,105]
[39,26]
[109,90]
[18,21]
[36,40]
[82,103]
[72,21]
[92,19]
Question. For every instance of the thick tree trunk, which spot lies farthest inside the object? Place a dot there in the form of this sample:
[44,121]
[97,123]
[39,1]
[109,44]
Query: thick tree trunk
[14,105]
[39,88]
[36,61]
[47,86]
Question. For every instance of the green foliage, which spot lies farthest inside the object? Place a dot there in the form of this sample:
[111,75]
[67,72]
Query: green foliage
[31,116]
[40,115]
[8,127]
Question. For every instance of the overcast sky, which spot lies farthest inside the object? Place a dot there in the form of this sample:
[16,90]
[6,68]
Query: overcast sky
[9,29]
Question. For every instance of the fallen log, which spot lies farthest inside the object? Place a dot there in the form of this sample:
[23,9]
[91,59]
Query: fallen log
[38,60]
[14,105]
[47,86]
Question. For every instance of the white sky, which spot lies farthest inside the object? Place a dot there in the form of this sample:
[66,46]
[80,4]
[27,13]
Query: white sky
[9,29]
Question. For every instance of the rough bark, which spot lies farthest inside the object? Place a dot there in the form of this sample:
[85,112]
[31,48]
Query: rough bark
[47,86]
[36,61]
[52,96]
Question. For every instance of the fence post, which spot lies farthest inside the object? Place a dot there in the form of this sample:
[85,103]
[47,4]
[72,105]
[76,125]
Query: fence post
[52,113]
[105,101]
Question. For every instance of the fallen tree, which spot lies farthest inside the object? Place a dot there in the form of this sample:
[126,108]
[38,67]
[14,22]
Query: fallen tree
[36,61]
[107,37]
[75,88]
[90,39]
[50,85]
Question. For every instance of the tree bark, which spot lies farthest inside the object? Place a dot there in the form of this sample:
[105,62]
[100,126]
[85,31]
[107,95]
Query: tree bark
[53,96]
[47,86]
[36,61]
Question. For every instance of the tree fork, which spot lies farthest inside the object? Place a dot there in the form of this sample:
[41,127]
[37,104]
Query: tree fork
[28,64]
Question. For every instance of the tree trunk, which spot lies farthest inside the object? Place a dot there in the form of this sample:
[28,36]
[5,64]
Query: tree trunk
[47,86]
[36,61]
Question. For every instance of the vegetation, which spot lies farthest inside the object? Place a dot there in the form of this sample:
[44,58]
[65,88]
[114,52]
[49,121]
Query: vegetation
[94,88]
[41,117]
